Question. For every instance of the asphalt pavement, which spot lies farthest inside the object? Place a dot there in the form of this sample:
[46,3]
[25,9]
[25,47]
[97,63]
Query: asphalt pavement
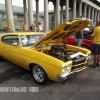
[17,84]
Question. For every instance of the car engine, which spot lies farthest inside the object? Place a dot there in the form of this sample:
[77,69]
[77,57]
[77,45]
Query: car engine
[61,52]
[58,52]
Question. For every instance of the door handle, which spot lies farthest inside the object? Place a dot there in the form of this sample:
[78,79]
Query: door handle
[3,47]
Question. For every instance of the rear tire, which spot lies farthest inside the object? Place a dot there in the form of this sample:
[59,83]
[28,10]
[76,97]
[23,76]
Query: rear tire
[39,75]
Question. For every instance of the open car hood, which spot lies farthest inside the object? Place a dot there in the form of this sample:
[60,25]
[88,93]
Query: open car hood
[65,30]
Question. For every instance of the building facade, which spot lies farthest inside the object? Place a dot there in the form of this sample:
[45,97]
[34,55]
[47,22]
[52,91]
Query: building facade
[18,16]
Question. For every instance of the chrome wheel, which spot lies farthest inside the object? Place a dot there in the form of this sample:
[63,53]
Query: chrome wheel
[39,74]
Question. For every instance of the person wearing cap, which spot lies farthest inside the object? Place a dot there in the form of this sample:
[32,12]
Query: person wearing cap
[96,45]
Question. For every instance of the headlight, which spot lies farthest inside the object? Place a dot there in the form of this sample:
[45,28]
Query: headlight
[66,68]
[69,67]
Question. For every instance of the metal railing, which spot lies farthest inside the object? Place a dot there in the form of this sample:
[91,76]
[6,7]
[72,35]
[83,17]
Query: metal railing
[8,26]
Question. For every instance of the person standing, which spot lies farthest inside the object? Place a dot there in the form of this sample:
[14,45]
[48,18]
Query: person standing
[96,45]
[78,38]
[41,28]
[25,28]
[32,28]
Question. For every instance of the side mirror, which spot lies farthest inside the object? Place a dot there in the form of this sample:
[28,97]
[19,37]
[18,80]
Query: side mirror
[15,44]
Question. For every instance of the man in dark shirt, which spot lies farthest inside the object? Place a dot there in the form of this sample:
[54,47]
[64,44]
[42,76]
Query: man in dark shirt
[32,28]
[79,37]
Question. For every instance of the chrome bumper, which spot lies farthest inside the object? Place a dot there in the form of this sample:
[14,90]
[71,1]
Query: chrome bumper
[66,75]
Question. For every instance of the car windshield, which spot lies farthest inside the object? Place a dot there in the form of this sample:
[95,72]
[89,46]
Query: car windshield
[30,40]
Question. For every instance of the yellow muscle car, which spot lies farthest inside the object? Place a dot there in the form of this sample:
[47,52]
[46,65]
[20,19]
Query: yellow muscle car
[46,56]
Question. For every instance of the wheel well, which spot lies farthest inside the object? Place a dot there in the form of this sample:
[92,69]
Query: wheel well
[31,65]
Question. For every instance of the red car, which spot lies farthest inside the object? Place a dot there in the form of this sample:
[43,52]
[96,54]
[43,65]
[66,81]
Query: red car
[86,42]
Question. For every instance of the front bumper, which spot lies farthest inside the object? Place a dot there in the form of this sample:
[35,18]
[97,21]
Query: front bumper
[75,71]
[66,75]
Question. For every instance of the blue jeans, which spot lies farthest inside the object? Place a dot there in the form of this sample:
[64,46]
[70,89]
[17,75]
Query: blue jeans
[79,42]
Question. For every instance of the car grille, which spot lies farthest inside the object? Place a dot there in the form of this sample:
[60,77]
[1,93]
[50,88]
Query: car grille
[77,67]
[78,63]
[79,60]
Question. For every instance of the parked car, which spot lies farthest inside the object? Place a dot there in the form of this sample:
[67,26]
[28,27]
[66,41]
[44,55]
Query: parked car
[86,42]
[46,57]
[87,33]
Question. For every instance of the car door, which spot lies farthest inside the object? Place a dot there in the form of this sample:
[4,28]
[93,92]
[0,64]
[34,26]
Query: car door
[10,51]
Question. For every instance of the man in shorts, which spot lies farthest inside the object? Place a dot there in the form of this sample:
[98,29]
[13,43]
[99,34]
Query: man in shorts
[96,45]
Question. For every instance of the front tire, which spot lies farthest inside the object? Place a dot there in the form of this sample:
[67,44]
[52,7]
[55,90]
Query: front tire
[39,75]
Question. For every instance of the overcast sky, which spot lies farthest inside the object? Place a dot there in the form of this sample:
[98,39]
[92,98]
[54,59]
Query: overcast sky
[20,3]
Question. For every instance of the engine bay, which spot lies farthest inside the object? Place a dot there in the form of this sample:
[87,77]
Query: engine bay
[61,52]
